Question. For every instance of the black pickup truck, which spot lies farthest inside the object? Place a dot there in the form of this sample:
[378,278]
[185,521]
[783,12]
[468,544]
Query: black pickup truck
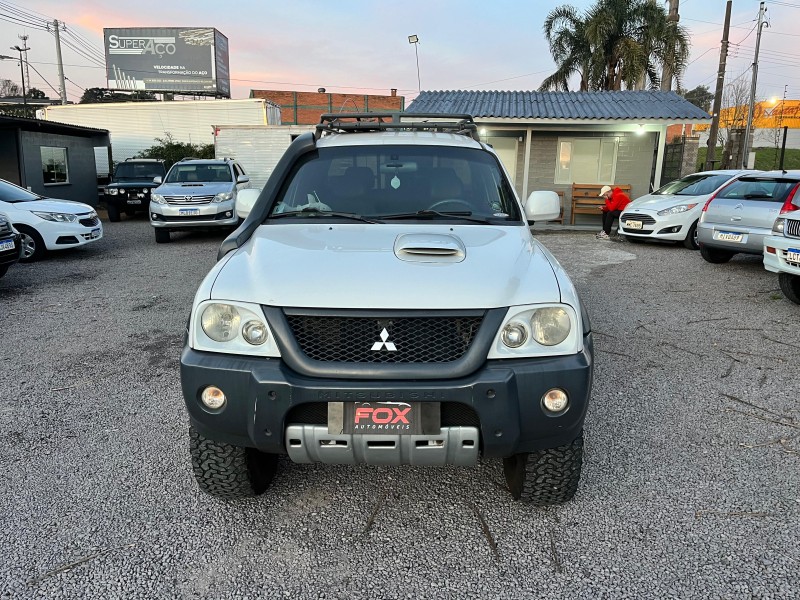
[129,190]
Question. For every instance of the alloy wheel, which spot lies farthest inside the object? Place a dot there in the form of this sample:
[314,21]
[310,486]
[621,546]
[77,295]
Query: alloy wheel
[28,245]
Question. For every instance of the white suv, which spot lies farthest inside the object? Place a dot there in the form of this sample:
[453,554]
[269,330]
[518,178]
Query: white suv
[386,303]
[782,248]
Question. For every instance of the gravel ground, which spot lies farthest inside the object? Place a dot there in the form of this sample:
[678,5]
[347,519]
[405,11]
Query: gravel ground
[690,488]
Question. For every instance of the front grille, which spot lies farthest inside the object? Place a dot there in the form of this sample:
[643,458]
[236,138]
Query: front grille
[453,414]
[645,219]
[792,228]
[439,339]
[188,199]
[91,222]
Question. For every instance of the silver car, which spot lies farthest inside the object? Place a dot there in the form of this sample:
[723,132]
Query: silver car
[741,215]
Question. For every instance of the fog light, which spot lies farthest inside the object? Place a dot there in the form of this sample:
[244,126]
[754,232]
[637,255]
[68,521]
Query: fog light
[555,400]
[155,216]
[229,214]
[213,397]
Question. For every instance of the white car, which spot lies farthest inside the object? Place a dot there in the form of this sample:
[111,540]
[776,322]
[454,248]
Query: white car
[47,223]
[671,212]
[782,253]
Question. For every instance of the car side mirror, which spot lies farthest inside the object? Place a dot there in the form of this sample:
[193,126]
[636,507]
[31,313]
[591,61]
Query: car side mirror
[542,206]
[157,179]
[242,179]
[245,200]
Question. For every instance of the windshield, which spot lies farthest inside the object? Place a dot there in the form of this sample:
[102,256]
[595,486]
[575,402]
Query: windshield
[694,185]
[13,193]
[751,188]
[400,181]
[130,170]
[206,173]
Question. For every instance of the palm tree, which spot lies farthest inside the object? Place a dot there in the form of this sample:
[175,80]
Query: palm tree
[566,33]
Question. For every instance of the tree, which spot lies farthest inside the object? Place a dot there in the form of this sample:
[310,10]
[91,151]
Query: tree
[98,95]
[170,151]
[565,31]
[36,94]
[9,89]
[701,97]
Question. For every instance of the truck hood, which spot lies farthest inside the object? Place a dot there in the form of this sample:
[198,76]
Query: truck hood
[396,266]
[132,183]
[194,188]
[658,202]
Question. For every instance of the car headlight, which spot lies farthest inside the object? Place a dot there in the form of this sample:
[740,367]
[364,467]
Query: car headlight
[112,191]
[57,217]
[778,226]
[674,210]
[158,198]
[538,330]
[233,328]
[223,196]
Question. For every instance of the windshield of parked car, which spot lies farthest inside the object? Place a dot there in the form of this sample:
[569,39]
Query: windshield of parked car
[13,193]
[694,185]
[129,170]
[204,173]
[400,182]
[763,189]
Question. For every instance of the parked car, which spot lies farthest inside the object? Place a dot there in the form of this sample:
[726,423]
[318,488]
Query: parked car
[47,224]
[739,216]
[10,246]
[197,193]
[672,211]
[384,302]
[130,186]
[782,252]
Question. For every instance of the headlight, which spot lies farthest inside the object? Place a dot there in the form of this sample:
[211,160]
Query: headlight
[233,328]
[778,226]
[514,334]
[158,198]
[112,191]
[57,217]
[674,210]
[550,326]
[222,197]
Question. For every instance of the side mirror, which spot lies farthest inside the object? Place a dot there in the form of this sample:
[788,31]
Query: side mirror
[542,206]
[242,179]
[157,179]
[245,200]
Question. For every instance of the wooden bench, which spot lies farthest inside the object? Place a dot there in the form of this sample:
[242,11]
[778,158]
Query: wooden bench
[586,198]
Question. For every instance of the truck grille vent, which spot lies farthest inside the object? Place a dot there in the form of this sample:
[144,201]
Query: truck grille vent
[188,199]
[438,339]
[792,228]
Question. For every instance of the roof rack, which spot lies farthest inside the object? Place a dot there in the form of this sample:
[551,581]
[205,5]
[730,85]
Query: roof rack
[462,124]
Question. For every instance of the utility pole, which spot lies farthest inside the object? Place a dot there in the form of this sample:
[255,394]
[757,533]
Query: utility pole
[24,39]
[62,86]
[711,144]
[667,73]
[746,142]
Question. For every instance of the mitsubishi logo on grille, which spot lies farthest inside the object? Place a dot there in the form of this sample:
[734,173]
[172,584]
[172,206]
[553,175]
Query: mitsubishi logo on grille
[384,343]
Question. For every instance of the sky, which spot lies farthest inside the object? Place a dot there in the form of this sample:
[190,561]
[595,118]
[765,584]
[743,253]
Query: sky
[361,46]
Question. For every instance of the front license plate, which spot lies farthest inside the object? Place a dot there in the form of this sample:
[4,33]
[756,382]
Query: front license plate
[793,255]
[633,224]
[134,201]
[384,418]
[189,212]
[728,236]
[95,233]
[7,245]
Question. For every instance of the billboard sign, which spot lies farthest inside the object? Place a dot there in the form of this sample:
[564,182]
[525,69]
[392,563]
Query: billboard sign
[168,59]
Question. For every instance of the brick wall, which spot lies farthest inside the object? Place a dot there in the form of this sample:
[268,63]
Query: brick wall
[304,108]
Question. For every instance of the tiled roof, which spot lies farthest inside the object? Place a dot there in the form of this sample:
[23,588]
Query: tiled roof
[560,105]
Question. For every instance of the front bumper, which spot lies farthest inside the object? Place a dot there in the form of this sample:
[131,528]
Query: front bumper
[10,256]
[57,236]
[176,216]
[501,400]
[669,227]
[752,241]
[776,261]
[129,198]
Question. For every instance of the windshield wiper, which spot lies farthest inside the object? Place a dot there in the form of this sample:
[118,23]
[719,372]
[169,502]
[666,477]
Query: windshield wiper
[308,212]
[430,214]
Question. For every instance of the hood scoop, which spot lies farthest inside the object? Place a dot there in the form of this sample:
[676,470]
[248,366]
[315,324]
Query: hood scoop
[191,185]
[429,248]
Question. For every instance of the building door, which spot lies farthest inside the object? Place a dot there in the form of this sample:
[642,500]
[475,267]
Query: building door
[506,148]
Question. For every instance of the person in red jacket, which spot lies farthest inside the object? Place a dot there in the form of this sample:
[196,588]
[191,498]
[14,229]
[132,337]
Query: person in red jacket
[616,201]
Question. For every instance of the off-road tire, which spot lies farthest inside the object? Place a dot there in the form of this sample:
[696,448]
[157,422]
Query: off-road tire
[547,476]
[31,239]
[790,286]
[690,241]
[228,471]
[715,255]
[162,236]
[113,213]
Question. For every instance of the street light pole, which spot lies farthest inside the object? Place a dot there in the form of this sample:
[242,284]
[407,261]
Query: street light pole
[413,39]
[22,75]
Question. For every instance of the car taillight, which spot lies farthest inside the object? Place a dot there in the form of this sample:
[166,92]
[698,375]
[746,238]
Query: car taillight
[791,203]
[705,206]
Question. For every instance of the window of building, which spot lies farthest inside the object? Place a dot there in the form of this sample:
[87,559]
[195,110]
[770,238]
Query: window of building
[54,165]
[586,160]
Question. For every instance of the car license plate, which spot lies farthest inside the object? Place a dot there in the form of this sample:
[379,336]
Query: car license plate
[7,245]
[793,255]
[134,201]
[633,224]
[189,212]
[728,236]
[95,233]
